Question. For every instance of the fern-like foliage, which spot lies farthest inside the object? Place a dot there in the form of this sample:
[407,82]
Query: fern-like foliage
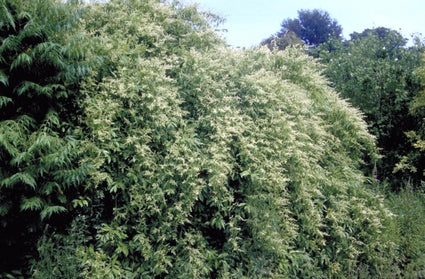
[41,152]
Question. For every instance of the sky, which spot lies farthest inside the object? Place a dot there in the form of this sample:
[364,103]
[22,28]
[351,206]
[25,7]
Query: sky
[248,22]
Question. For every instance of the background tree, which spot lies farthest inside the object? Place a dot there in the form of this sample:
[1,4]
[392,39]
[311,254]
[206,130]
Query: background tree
[389,37]
[375,71]
[312,26]
[413,162]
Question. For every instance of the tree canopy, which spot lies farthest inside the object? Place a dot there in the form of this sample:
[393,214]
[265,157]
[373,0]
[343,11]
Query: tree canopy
[376,72]
[312,26]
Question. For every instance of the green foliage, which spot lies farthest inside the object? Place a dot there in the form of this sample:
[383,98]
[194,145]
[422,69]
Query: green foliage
[58,253]
[414,161]
[376,74]
[215,163]
[313,27]
[40,148]
[178,157]
[409,209]
[282,41]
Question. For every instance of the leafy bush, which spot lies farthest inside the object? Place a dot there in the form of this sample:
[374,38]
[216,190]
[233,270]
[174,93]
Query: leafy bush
[213,162]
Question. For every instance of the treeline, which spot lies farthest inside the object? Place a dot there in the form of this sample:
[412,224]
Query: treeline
[379,74]
[135,144]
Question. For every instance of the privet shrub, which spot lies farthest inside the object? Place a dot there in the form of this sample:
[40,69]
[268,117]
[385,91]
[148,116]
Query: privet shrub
[194,160]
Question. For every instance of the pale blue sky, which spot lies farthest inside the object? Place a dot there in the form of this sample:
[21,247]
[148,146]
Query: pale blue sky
[250,21]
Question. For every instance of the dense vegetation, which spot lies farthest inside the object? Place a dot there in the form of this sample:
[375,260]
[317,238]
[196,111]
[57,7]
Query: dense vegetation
[313,27]
[135,144]
[377,73]
[41,66]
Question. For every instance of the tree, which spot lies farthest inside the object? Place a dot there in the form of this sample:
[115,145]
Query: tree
[40,153]
[376,73]
[312,26]
[413,161]
[389,37]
